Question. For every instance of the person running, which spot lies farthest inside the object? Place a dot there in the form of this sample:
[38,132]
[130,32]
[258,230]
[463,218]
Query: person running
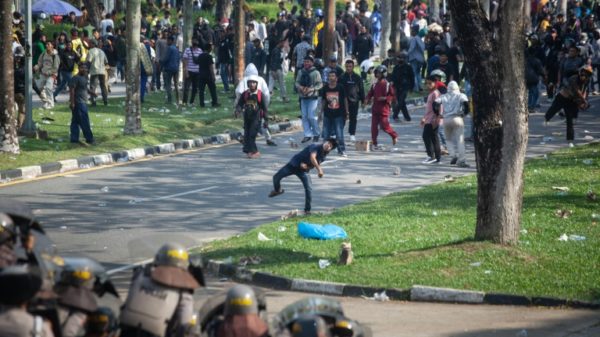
[300,165]
[382,95]
[430,124]
[253,107]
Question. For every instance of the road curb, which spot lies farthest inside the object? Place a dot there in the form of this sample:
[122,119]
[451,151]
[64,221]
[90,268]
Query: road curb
[417,293]
[103,159]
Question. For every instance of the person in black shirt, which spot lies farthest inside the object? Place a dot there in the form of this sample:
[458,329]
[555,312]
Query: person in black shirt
[68,59]
[207,75]
[335,111]
[354,92]
[363,45]
[225,56]
[403,78]
[254,109]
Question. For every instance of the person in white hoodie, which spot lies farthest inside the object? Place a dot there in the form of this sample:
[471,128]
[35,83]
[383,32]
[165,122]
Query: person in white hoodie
[266,96]
[456,106]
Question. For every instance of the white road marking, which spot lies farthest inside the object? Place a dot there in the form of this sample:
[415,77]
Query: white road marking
[175,195]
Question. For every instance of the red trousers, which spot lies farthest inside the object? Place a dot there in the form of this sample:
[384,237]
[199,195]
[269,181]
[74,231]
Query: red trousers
[383,121]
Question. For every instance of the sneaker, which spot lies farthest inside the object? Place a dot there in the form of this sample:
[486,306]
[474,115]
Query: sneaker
[271,143]
[433,161]
[453,161]
[343,154]
[276,193]
[463,164]
[305,139]
[394,140]
[315,139]
[427,160]
[571,145]
[352,138]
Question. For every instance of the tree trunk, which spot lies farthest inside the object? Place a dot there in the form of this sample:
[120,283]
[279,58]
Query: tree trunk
[395,25]
[223,10]
[329,37]
[9,142]
[240,42]
[386,26]
[133,112]
[434,8]
[94,12]
[120,6]
[562,6]
[188,22]
[495,64]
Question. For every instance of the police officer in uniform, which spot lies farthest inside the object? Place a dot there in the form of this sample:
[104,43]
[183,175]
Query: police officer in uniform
[310,326]
[160,300]
[241,315]
[18,285]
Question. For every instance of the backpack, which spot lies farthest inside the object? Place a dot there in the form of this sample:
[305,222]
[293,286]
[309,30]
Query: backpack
[305,79]
[258,102]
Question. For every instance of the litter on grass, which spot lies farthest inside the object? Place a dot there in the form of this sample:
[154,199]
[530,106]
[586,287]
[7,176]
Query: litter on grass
[560,188]
[321,232]
[324,263]
[262,237]
[449,179]
[564,237]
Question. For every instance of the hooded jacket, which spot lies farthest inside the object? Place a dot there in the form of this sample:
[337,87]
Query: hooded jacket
[262,85]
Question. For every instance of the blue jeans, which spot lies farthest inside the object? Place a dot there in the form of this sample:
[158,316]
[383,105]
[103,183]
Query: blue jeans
[224,71]
[287,171]
[143,83]
[80,119]
[416,66]
[349,45]
[65,78]
[310,121]
[335,126]
[376,36]
[121,70]
[533,96]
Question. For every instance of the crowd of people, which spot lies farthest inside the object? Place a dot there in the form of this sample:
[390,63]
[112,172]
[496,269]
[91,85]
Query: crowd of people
[43,294]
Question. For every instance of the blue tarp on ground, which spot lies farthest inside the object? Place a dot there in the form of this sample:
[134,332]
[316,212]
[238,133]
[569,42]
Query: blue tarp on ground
[53,7]
[321,232]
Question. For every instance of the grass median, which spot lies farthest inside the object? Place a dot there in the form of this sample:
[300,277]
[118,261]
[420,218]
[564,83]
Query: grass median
[425,237]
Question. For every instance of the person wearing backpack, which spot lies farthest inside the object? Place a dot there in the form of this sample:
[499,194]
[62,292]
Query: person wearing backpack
[191,71]
[308,84]
[254,109]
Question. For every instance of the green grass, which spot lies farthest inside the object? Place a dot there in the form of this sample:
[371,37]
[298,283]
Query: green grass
[159,127]
[425,237]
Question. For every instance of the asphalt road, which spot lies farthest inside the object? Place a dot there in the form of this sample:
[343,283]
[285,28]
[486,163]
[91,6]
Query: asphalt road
[122,214]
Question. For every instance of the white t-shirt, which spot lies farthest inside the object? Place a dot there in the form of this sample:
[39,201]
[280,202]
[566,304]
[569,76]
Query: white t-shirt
[104,24]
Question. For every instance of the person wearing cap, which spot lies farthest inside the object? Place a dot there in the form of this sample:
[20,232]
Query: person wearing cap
[308,84]
[571,98]
[18,286]
[254,110]
[160,299]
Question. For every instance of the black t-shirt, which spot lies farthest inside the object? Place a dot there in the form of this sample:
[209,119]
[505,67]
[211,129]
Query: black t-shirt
[333,101]
[205,60]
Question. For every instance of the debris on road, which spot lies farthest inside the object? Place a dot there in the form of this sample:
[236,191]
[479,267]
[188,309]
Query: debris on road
[397,171]
[358,181]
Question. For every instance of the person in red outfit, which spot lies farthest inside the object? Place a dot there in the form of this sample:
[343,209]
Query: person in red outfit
[382,95]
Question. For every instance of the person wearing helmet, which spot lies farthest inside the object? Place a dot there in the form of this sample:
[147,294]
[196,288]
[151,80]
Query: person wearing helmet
[571,98]
[241,315]
[381,95]
[102,323]
[254,110]
[160,300]
[15,321]
[8,238]
[404,80]
[308,83]
[310,326]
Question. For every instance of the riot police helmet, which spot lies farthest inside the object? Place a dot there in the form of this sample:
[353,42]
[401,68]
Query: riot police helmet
[18,284]
[171,265]
[8,231]
[240,300]
[310,326]
[173,255]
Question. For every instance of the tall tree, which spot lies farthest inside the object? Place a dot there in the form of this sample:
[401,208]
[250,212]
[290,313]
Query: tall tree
[434,6]
[395,24]
[223,9]
[240,42]
[133,111]
[9,142]
[494,57]
[329,37]
[386,26]
[188,22]
[94,12]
